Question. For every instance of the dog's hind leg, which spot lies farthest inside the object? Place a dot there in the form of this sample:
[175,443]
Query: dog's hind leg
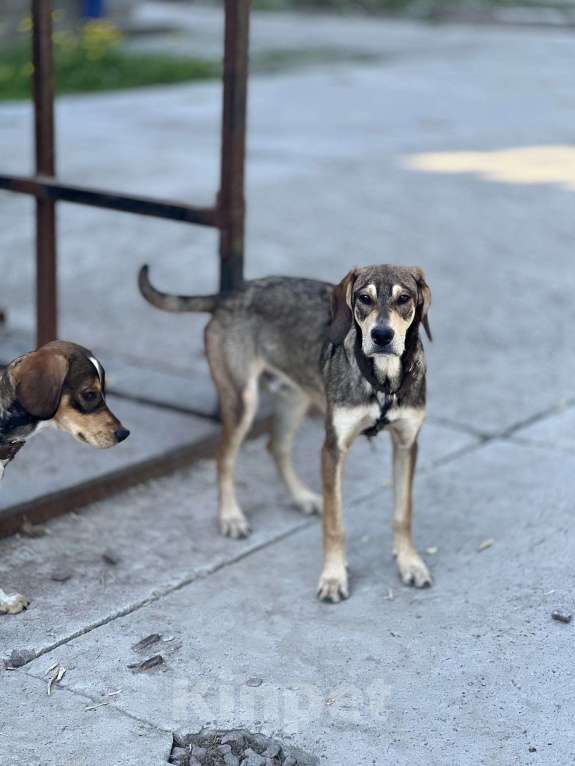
[237,385]
[290,406]
[237,417]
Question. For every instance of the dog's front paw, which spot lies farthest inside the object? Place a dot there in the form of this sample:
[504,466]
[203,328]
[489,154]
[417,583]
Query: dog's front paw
[309,502]
[235,526]
[413,570]
[12,604]
[333,584]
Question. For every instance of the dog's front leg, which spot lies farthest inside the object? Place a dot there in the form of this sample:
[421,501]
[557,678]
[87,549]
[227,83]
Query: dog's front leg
[411,567]
[343,424]
[333,581]
[12,604]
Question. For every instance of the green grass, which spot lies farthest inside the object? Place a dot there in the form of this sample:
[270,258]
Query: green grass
[114,70]
[118,70]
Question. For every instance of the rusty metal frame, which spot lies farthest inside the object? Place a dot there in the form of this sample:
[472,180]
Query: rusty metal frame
[227,215]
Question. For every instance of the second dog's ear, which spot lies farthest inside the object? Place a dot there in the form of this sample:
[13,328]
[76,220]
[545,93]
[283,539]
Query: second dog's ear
[38,381]
[341,308]
[424,301]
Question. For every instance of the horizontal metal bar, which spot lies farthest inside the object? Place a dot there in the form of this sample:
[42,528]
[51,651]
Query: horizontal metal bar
[43,187]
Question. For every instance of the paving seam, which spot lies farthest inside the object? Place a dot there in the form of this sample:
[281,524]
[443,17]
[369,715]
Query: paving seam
[538,417]
[157,595]
[457,426]
[99,700]
[524,441]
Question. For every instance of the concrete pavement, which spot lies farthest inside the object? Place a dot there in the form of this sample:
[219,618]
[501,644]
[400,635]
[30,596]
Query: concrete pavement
[473,671]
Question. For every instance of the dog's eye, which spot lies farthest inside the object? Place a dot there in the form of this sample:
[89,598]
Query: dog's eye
[403,298]
[365,298]
[90,396]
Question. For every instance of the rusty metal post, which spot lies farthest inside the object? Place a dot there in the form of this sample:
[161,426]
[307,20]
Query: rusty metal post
[231,200]
[43,84]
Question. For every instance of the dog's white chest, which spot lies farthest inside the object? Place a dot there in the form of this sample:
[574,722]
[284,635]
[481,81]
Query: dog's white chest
[348,422]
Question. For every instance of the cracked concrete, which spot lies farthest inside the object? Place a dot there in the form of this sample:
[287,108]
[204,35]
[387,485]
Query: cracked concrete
[473,671]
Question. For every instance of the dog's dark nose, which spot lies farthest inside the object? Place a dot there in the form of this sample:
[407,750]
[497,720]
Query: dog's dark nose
[121,434]
[382,335]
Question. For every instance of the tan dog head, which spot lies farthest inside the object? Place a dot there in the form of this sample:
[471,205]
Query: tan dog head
[383,302]
[65,384]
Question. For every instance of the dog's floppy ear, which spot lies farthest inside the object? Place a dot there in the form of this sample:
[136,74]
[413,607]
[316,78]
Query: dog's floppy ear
[424,299]
[38,381]
[341,308]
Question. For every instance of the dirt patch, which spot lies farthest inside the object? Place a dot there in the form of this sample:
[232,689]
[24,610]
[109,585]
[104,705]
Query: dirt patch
[235,748]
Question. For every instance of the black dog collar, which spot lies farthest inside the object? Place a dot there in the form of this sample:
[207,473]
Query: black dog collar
[390,397]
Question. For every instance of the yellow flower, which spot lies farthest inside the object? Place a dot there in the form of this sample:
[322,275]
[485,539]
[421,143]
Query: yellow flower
[25,25]
[99,37]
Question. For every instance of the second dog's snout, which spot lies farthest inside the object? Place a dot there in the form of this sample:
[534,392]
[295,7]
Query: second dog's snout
[121,434]
[382,335]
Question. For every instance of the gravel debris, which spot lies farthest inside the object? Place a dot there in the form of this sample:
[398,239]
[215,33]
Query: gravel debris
[61,575]
[18,658]
[151,662]
[235,748]
[111,557]
[561,616]
[146,642]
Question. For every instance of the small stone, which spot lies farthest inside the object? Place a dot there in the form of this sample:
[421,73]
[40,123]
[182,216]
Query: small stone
[231,760]
[151,662]
[235,740]
[179,756]
[194,761]
[61,575]
[532,749]
[199,752]
[146,642]
[561,616]
[111,557]
[254,681]
[19,657]
[273,750]
[225,748]
[252,758]
[290,761]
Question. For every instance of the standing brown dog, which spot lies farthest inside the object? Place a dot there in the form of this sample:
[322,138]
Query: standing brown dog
[354,351]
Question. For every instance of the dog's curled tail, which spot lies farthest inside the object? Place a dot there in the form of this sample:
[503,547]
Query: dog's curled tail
[173,302]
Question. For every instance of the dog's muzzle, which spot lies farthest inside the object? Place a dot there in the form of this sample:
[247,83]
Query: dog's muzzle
[382,337]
